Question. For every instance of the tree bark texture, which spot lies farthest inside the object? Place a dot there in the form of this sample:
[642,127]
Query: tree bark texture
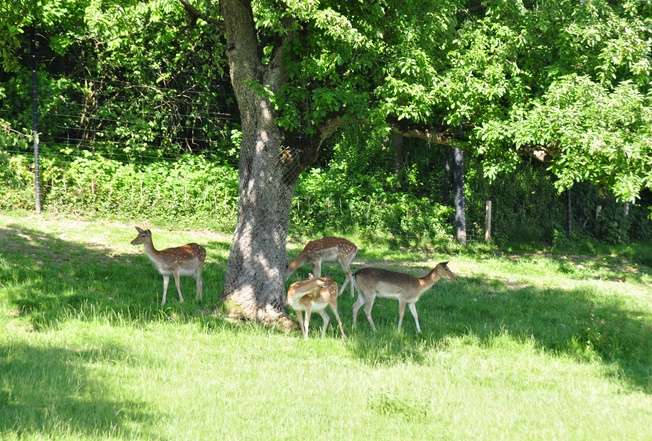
[254,285]
[458,187]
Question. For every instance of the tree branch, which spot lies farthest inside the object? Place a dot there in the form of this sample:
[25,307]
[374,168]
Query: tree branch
[432,137]
[194,14]
[302,152]
[328,129]
[276,74]
[242,51]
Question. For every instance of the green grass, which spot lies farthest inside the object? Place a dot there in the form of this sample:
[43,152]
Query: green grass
[524,346]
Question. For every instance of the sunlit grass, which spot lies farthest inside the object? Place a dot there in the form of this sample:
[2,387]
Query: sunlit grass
[519,347]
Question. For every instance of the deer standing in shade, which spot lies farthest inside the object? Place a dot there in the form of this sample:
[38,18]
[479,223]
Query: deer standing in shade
[186,260]
[314,294]
[324,250]
[407,289]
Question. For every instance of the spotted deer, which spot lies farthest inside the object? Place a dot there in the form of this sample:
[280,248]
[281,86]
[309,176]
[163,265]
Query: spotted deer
[326,249]
[314,294]
[186,260]
[407,289]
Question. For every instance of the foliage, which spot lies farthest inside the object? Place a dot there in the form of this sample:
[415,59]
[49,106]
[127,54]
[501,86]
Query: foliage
[189,191]
[592,134]
[567,78]
[140,84]
[128,78]
[327,201]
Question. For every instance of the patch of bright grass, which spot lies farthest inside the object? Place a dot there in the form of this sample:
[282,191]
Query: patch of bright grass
[530,346]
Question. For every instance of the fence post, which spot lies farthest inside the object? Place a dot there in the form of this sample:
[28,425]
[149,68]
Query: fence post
[35,123]
[487,222]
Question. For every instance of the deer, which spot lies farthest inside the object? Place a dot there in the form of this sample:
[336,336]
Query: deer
[407,289]
[178,261]
[324,250]
[314,294]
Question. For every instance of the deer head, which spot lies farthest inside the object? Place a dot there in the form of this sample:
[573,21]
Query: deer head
[143,236]
[443,271]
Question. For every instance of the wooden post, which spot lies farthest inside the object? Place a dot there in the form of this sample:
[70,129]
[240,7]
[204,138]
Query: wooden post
[487,222]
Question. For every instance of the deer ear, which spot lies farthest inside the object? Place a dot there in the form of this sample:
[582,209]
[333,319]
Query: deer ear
[140,230]
[443,263]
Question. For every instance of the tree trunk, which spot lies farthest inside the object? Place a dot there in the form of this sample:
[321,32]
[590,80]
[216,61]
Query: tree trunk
[458,184]
[254,285]
[254,282]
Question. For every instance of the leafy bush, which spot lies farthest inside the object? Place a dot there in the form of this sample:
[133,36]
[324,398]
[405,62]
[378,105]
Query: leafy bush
[191,190]
[16,182]
[332,200]
[374,204]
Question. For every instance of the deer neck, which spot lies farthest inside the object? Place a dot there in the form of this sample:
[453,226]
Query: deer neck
[150,250]
[296,263]
[428,280]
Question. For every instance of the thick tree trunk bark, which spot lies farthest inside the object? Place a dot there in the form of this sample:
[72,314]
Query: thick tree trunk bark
[254,282]
[254,286]
[458,187]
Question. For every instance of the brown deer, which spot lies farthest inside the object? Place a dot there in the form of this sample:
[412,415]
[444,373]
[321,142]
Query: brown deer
[407,289]
[186,260]
[314,294]
[326,249]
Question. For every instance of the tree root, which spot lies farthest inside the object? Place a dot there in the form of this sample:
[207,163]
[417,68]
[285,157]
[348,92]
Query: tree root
[268,316]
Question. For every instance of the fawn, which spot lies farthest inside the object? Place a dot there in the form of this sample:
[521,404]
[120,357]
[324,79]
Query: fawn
[186,260]
[314,294]
[376,282]
[326,249]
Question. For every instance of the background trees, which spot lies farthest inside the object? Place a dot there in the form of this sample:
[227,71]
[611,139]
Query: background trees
[139,117]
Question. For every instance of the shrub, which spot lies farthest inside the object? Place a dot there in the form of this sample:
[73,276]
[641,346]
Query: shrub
[191,190]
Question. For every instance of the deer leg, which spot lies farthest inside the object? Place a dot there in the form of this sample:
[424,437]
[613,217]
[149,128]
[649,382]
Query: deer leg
[306,324]
[346,282]
[401,311]
[350,279]
[166,280]
[337,317]
[346,266]
[367,310]
[326,319]
[177,282]
[300,320]
[413,310]
[356,308]
[200,284]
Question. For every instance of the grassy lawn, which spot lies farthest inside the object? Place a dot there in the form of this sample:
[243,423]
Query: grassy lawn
[526,346]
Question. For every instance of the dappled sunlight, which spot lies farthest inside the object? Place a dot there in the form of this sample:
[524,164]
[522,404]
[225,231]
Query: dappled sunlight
[47,281]
[579,323]
[50,280]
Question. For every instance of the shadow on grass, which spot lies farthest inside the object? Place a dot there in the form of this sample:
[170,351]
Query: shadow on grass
[48,391]
[50,280]
[580,323]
